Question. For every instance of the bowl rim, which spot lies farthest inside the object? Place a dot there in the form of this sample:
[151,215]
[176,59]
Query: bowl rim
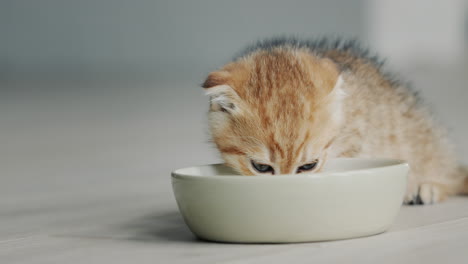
[177,174]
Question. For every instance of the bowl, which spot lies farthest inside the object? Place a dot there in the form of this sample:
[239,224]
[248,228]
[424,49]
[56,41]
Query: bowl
[350,198]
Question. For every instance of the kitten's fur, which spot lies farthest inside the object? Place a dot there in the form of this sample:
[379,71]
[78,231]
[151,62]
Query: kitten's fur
[285,102]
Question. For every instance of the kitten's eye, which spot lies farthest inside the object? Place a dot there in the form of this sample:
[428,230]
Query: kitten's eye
[262,168]
[307,167]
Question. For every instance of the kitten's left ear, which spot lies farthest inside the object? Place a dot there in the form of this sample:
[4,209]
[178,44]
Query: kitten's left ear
[327,76]
[329,84]
[222,96]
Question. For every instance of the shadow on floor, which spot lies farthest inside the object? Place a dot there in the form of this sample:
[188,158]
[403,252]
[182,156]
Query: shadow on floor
[168,226]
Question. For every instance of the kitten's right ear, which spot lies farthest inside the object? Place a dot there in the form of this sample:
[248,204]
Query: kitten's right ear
[216,78]
[222,96]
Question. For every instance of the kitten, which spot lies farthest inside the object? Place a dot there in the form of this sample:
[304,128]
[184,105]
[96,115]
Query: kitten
[285,106]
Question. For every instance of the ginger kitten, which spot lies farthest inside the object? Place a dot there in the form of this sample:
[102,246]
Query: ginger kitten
[286,106]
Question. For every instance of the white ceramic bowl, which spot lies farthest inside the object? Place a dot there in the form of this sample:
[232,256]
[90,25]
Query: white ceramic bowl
[351,198]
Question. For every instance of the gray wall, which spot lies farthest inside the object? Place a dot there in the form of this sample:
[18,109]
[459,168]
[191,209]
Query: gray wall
[188,37]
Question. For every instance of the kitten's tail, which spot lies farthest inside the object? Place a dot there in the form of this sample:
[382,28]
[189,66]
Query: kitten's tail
[463,170]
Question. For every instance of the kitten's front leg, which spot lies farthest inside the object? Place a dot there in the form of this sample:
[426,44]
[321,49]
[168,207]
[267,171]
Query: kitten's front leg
[419,193]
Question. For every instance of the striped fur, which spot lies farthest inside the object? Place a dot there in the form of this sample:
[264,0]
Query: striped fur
[285,103]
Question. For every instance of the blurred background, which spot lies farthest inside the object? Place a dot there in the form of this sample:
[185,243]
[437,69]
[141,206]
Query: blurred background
[100,98]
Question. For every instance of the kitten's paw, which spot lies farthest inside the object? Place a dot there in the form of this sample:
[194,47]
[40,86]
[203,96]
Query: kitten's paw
[426,193]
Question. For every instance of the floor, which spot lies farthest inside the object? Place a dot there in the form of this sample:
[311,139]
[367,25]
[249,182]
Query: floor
[85,178]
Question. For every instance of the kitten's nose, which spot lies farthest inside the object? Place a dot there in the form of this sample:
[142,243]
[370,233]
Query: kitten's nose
[287,169]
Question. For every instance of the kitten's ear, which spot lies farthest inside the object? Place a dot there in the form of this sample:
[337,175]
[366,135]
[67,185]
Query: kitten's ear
[330,82]
[222,96]
[216,78]
[338,87]
[326,76]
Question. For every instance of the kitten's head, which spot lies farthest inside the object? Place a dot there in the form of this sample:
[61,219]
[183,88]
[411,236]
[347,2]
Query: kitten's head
[275,112]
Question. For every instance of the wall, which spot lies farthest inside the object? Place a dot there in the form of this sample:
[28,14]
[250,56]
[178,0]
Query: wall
[162,37]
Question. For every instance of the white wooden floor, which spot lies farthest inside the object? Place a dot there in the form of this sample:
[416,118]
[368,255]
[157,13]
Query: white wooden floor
[85,178]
